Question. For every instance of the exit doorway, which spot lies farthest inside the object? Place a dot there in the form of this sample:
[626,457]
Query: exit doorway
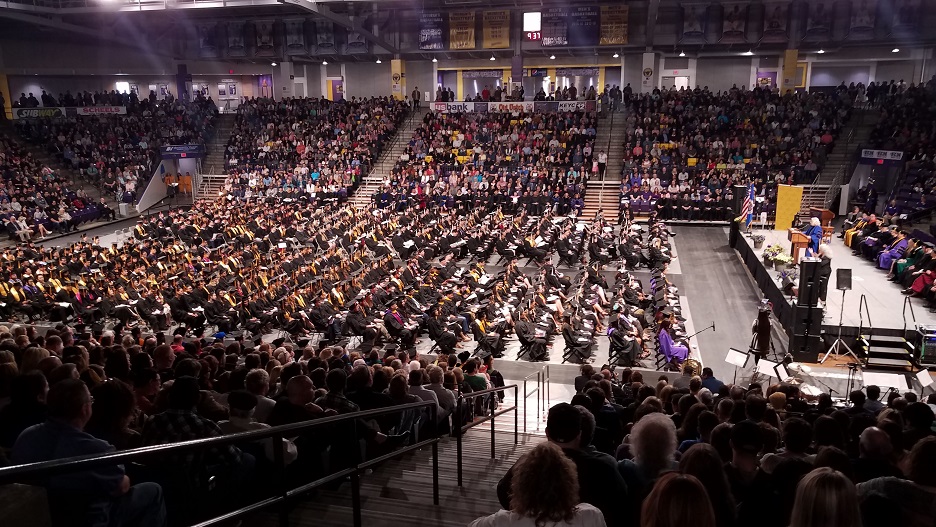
[679,82]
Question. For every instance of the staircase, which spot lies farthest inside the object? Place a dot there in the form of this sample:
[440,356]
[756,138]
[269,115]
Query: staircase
[887,353]
[608,138]
[400,490]
[835,171]
[602,195]
[387,160]
[214,151]
[209,186]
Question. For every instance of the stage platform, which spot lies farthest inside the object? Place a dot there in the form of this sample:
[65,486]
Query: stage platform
[889,312]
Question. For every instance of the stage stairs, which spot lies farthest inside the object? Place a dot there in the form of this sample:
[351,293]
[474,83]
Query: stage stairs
[887,352]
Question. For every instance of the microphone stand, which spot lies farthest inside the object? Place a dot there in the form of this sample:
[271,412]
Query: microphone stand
[712,327]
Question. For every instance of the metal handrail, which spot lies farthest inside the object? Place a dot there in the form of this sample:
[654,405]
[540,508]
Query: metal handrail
[460,429]
[28,472]
[904,313]
[526,394]
[862,309]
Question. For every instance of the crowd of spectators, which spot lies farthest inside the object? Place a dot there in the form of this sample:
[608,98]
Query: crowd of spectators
[684,149]
[698,451]
[118,153]
[35,200]
[141,390]
[307,146]
[510,160]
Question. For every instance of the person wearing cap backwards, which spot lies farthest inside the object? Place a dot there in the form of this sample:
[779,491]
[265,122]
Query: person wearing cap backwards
[600,483]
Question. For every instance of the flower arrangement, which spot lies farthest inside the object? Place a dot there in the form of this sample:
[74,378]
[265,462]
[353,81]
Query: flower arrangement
[789,274]
[783,258]
[758,240]
[772,251]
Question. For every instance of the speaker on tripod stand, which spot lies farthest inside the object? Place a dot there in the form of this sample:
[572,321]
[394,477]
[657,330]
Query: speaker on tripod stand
[843,282]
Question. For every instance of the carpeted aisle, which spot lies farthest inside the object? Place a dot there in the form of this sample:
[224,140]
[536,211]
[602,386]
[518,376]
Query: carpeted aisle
[718,289]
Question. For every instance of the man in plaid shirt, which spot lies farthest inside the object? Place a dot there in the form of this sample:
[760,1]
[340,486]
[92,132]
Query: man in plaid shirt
[181,423]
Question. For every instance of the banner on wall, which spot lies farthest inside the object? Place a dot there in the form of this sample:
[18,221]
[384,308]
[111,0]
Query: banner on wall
[462,30]
[263,35]
[181,151]
[694,19]
[776,19]
[819,19]
[295,36]
[63,112]
[870,156]
[496,29]
[235,40]
[324,36]
[734,23]
[863,15]
[789,80]
[432,31]
[518,106]
[555,30]
[614,21]
[789,200]
[482,74]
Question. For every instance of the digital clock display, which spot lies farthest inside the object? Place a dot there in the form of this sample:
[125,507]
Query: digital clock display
[532,36]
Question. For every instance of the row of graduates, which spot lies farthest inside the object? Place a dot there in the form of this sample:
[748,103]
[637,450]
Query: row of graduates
[536,203]
[672,207]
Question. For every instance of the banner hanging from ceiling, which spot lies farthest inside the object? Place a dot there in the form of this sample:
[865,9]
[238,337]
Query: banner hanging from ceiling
[432,32]
[614,20]
[462,30]
[496,32]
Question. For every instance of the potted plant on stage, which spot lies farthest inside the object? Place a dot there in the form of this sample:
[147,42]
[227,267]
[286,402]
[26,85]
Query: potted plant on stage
[782,262]
[758,240]
[770,253]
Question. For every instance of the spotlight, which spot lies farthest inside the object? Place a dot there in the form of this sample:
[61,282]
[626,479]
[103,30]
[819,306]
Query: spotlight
[682,53]
[552,57]
[748,53]
[324,63]
[616,55]
[895,50]
[492,57]
[821,51]
[273,64]
[378,60]
[435,59]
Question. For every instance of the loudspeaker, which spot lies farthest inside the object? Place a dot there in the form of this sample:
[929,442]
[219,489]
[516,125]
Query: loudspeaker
[740,192]
[843,279]
[806,349]
[807,320]
[809,283]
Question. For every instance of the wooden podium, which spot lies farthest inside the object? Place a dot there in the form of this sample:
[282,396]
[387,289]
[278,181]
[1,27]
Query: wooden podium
[799,241]
[825,215]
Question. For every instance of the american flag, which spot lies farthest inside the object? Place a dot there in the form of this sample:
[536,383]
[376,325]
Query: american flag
[747,209]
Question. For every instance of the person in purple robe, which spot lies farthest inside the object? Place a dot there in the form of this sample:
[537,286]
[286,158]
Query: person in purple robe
[893,252]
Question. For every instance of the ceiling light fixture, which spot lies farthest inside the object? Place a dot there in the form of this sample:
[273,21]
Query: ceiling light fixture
[552,57]
[895,50]
[616,55]
[435,59]
[324,63]
[748,53]
[378,60]
[821,51]
[682,53]
[273,64]
[492,57]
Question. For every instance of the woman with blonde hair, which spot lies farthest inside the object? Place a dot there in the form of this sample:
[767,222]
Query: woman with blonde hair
[677,500]
[544,492]
[825,498]
[31,359]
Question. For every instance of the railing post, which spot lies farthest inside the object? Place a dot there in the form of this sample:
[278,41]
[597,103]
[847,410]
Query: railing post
[539,389]
[435,473]
[280,463]
[517,409]
[492,430]
[458,437]
[356,497]
[524,403]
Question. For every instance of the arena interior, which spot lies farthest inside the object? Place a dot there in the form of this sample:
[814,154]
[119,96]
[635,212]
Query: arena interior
[371,262]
